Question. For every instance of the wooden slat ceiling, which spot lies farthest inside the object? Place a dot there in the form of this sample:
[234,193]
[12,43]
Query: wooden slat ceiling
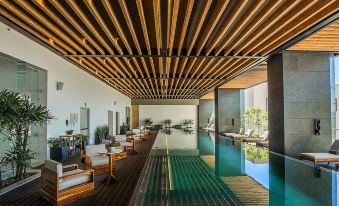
[326,39]
[248,79]
[165,48]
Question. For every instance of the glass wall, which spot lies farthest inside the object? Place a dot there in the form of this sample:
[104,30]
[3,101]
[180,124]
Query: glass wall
[30,81]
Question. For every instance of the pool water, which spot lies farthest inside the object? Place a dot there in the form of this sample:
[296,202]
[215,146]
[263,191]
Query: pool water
[204,169]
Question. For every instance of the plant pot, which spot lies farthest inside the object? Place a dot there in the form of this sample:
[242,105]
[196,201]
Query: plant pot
[59,154]
[110,149]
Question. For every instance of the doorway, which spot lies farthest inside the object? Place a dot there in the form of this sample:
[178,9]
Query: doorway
[111,122]
[84,121]
[117,122]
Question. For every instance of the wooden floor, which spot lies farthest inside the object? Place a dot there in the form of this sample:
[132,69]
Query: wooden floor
[128,172]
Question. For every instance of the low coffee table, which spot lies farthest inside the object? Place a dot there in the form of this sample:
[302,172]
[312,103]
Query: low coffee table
[111,159]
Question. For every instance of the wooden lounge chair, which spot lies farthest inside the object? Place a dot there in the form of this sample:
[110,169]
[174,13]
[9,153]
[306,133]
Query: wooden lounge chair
[322,156]
[241,132]
[262,144]
[263,138]
[60,187]
[137,135]
[239,137]
[126,142]
[93,160]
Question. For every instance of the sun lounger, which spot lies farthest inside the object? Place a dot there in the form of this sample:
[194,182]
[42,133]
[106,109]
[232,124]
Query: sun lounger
[263,137]
[241,132]
[262,144]
[322,156]
[239,137]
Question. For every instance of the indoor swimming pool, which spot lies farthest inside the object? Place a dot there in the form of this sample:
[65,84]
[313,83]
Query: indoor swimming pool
[204,169]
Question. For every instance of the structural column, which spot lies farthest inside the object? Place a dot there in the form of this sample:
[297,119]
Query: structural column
[229,108]
[206,107]
[301,88]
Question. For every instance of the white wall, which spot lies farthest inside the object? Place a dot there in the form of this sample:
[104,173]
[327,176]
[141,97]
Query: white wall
[256,96]
[177,113]
[79,87]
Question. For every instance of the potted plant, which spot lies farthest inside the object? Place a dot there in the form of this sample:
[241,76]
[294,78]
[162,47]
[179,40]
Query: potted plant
[17,116]
[58,149]
[85,139]
[148,122]
[168,131]
[110,147]
[101,132]
[69,132]
[188,130]
[168,122]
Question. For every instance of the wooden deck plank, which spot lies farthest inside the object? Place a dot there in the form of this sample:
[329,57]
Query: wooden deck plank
[128,172]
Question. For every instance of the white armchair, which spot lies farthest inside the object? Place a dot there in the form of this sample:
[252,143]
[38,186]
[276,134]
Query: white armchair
[127,143]
[137,134]
[60,187]
[93,160]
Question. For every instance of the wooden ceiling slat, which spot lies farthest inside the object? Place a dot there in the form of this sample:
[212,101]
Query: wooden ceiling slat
[27,7]
[279,26]
[136,41]
[146,38]
[193,40]
[43,6]
[36,25]
[83,29]
[220,9]
[312,18]
[231,21]
[300,7]
[32,31]
[104,27]
[184,27]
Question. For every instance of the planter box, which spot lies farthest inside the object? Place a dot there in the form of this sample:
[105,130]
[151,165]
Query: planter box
[21,182]
[59,154]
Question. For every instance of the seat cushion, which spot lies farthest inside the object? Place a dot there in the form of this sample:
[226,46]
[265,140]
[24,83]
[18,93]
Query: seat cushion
[126,144]
[99,160]
[321,157]
[93,150]
[73,181]
[54,166]
[252,139]
[120,138]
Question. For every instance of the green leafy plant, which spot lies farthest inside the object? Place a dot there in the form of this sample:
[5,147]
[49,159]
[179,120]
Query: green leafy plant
[188,122]
[101,132]
[255,118]
[148,122]
[85,137]
[57,142]
[168,131]
[69,132]
[17,116]
[168,122]
[188,130]
[255,154]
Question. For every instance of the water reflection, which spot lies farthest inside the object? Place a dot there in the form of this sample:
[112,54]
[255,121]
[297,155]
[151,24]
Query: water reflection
[194,168]
[289,181]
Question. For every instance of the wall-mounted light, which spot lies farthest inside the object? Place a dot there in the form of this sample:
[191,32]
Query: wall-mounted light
[59,86]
